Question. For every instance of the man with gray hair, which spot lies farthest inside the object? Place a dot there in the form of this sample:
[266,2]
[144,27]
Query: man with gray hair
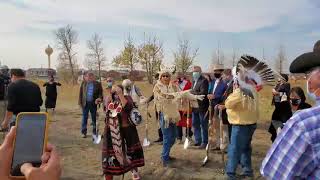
[295,153]
[90,91]
[200,86]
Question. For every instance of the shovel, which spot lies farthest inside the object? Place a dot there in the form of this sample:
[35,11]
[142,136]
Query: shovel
[221,136]
[97,137]
[146,141]
[187,141]
[206,159]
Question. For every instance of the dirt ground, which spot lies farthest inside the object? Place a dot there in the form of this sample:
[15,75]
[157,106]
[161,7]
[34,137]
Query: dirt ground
[81,158]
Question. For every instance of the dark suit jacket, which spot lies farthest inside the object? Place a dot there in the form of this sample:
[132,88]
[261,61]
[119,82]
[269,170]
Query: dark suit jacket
[201,88]
[219,91]
[228,91]
[97,92]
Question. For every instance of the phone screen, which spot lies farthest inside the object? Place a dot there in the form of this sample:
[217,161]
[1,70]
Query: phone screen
[29,141]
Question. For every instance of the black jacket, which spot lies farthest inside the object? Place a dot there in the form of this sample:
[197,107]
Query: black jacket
[228,91]
[201,88]
[24,96]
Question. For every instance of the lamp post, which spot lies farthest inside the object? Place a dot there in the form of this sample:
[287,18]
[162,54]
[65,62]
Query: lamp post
[49,51]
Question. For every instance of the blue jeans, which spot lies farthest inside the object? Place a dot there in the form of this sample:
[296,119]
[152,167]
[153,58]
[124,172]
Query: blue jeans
[200,125]
[92,108]
[240,150]
[169,137]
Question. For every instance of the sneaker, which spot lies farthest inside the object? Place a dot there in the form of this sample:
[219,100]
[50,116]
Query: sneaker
[179,141]
[195,144]
[202,146]
[158,141]
[244,177]
[166,164]
[84,136]
[172,158]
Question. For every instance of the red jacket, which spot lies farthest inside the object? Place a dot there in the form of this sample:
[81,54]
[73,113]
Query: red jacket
[185,85]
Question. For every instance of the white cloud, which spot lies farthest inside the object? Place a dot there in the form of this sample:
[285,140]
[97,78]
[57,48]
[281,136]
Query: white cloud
[44,16]
[214,15]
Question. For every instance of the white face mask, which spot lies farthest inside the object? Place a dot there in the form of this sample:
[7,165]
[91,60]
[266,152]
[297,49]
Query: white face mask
[311,95]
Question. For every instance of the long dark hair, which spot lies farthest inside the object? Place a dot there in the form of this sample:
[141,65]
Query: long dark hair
[299,91]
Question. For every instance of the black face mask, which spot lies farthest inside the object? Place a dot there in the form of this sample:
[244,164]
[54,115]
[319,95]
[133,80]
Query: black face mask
[295,102]
[217,75]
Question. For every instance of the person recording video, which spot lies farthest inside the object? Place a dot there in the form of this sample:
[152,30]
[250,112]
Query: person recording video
[50,168]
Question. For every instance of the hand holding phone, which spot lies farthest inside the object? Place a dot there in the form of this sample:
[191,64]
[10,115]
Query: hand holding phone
[6,152]
[50,168]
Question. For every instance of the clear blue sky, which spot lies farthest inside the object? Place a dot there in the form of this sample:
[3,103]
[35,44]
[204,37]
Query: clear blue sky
[248,26]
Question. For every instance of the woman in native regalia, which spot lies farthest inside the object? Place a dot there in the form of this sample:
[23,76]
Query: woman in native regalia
[121,149]
[167,98]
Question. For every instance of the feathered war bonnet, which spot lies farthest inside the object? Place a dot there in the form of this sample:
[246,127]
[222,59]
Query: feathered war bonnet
[251,74]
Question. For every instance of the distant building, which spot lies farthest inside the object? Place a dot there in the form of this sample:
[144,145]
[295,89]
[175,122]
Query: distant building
[40,72]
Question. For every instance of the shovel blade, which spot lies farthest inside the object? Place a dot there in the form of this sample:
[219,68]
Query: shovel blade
[205,161]
[146,142]
[186,144]
[96,139]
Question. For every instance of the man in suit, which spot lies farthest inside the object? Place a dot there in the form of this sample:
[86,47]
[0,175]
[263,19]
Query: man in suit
[199,119]
[90,90]
[217,88]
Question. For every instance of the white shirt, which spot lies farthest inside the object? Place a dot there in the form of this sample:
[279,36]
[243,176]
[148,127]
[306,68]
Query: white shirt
[215,85]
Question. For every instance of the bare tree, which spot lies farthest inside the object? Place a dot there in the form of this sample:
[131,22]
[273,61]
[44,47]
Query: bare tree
[184,56]
[88,64]
[63,68]
[66,38]
[281,58]
[128,55]
[218,56]
[234,57]
[96,55]
[150,55]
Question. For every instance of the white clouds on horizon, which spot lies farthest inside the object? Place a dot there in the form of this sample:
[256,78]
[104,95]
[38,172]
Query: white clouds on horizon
[208,15]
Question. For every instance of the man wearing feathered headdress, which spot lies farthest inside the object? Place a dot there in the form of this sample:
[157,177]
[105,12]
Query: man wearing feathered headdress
[243,113]
[167,98]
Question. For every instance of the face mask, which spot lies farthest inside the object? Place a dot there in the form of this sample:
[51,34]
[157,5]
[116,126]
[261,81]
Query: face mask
[311,95]
[217,75]
[109,84]
[128,88]
[295,102]
[196,75]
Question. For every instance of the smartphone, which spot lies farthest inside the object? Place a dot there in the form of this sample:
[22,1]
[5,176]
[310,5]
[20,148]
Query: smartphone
[30,141]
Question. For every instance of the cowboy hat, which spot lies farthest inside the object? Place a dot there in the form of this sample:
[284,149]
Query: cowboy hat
[216,67]
[306,61]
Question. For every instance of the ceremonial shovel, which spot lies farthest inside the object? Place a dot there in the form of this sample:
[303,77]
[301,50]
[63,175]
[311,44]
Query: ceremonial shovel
[187,141]
[146,141]
[206,159]
[97,138]
[221,137]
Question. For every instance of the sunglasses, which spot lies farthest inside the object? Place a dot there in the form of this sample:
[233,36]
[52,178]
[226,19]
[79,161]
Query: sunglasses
[165,76]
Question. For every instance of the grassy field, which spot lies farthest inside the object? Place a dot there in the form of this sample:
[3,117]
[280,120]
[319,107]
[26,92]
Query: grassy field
[81,159]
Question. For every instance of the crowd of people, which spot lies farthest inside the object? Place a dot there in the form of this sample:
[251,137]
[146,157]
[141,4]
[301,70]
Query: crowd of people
[186,102]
